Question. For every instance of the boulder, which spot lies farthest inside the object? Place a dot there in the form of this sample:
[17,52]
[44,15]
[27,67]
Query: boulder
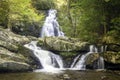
[8,55]
[113,47]
[8,45]
[91,58]
[13,66]
[11,41]
[63,44]
[112,57]
[10,61]
[13,53]
[10,37]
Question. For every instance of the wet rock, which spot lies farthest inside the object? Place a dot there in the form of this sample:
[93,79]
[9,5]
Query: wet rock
[91,61]
[66,77]
[13,66]
[12,49]
[91,58]
[104,78]
[10,61]
[63,44]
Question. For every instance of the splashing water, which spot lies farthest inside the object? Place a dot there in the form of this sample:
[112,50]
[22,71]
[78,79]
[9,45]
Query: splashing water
[79,61]
[54,64]
[49,61]
[51,26]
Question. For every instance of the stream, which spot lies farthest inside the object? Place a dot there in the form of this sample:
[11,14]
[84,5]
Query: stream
[66,75]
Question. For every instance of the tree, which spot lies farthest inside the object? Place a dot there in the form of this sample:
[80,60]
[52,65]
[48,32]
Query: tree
[4,9]
[23,18]
[43,4]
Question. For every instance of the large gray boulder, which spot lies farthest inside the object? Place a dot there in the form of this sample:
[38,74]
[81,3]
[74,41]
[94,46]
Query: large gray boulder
[13,55]
[112,57]
[12,41]
[63,44]
[10,61]
[14,66]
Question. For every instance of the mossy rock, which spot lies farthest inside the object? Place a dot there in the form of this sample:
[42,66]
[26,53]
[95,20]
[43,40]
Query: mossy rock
[112,57]
[63,44]
[9,46]
[91,58]
[12,48]
[68,57]
[14,66]
[7,55]
[8,36]
[28,54]
[113,47]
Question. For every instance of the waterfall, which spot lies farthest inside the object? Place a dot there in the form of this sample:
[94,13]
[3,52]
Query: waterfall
[51,25]
[79,62]
[49,61]
[93,49]
[103,48]
[100,63]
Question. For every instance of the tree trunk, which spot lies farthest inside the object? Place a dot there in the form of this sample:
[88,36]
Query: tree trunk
[70,19]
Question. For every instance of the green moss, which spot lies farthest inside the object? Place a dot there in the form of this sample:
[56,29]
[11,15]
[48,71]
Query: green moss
[62,44]
[113,57]
[68,54]
[9,46]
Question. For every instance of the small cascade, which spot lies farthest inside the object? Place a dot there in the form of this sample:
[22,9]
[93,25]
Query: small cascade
[51,25]
[79,62]
[93,49]
[58,59]
[75,60]
[103,48]
[49,61]
[100,63]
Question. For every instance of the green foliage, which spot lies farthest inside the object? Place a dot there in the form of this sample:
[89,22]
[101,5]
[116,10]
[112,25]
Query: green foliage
[23,10]
[113,21]
[24,18]
[43,4]
[93,21]
[4,8]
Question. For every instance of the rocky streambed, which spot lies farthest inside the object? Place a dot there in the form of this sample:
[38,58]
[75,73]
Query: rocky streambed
[14,57]
[67,75]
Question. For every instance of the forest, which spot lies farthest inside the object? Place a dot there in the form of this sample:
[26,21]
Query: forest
[96,21]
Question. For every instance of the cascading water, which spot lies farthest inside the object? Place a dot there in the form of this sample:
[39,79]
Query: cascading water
[49,61]
[53,63]
[51,26]
[100,63]
[79,62]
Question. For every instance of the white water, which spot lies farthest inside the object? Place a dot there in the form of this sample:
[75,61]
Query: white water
[49,61]
[103,48]
[100,63]
[79,62]
[51,26]
[53,63]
